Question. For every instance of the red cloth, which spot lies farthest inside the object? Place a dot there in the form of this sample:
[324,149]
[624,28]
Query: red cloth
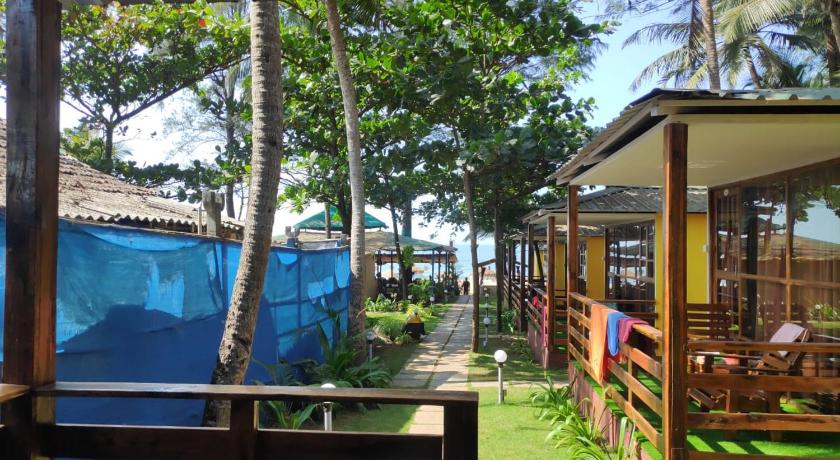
[598,351]
[625,327]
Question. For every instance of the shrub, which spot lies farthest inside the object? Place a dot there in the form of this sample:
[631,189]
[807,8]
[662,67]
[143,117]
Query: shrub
[340,368]
[381,304]
[509,321]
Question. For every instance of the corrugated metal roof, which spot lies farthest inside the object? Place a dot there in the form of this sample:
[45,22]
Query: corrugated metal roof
[87,194]
[631,199]
[637,117]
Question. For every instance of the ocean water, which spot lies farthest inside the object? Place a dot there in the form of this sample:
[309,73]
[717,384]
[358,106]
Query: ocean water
[464,265]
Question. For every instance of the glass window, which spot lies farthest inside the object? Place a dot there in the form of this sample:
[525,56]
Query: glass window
[764,229]
[726,229]
[763,309]
[630,261]
[816,225]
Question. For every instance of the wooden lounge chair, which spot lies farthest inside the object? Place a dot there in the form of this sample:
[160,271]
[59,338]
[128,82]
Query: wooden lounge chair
[770,363]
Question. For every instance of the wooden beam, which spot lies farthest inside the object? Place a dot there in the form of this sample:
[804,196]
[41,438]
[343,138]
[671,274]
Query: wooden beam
[779,422]
[572,256]
[32,131]
[550,285]
[460,432]
[674,388]
[530,253]
[523,296]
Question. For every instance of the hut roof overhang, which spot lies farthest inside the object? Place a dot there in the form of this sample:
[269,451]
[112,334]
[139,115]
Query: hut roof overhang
[733,135]
[616,205]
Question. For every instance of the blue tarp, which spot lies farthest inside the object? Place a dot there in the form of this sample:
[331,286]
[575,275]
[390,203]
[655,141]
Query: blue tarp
[143,306]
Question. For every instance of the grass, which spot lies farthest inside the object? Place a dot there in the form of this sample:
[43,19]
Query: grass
[391,418]
[511,431]
[388,418]
[519,366]
[395,356]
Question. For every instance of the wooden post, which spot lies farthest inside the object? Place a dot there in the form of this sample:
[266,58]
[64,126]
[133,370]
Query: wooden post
[32,113]
[523,296]
[674,389]
[243,429]
[530,254]
[572,256]
[511,256]
[550,286]
[460,432]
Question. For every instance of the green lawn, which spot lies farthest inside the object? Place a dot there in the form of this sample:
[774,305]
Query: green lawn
[386,419]
[519,366]
[511,431]
[395,356]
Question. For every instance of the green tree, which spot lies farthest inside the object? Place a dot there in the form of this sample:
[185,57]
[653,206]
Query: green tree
[120,60]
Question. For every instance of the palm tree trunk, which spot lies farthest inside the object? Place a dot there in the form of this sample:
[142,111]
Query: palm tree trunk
[235,348]
[833,7]
[710,42]
[354,153]
[756,79]
[469,190]
[832,56]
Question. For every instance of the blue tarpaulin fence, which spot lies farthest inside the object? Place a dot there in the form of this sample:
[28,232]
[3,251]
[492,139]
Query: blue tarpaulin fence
[144,306]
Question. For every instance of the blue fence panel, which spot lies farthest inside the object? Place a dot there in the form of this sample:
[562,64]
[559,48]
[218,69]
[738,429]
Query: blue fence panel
[144,306]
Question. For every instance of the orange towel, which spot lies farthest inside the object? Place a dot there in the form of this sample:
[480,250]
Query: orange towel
[598,340]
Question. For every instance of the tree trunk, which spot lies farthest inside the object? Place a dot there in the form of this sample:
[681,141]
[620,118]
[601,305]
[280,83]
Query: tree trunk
[756,79]
[710,42]
[354,153]
[235,348]
[328,220]
[500,266]
[832,57]
[833,7]
[469,190]
[407,214]
[108,153]
[229,201]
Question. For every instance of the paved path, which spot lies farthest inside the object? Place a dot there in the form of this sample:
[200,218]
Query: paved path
[440,363]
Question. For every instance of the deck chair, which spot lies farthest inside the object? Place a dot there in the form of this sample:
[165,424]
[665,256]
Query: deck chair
[770,363]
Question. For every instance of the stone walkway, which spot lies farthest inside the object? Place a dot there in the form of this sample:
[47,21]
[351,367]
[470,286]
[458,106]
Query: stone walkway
[440,363]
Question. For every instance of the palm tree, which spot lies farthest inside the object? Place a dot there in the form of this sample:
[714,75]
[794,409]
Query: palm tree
[354,154]
[235,348]
[710,43]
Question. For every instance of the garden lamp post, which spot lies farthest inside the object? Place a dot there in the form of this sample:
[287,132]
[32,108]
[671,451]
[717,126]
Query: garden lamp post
[370,337]
[486,303]
[486,330]
[500,356]
[328,408]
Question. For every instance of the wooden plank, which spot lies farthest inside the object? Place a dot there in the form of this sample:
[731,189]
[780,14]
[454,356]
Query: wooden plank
[583,341]
[641,359]
[321,445]
[136,442]
[572,256]
[782,383]
[636,388]
[32,133]
[9,391]
[675,391]
[460,432]
[530,254]
[775,422]
[641,423]
[257,393]
[579,317]
[717,345]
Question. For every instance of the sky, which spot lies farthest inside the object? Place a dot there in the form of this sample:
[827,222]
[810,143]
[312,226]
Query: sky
[608,82]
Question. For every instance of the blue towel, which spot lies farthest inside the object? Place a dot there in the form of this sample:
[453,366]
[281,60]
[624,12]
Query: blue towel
[612,331]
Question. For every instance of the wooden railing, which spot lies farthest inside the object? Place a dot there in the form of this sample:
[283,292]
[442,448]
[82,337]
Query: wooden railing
[245,439]
[640,365]
[635,384]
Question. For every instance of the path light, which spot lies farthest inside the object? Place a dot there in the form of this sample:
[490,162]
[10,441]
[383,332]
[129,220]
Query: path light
[432,299]
[486,329]
[370,337]
[500,356]
[327,408]
[410,298]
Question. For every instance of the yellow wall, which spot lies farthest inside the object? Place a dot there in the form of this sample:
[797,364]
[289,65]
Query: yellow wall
[697,256]
[595,274]
[560,265]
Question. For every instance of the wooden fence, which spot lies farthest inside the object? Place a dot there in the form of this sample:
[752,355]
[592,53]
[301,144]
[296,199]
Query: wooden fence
[642,373]
[245,439]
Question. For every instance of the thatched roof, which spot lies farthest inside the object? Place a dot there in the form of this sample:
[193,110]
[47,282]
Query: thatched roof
[87,194]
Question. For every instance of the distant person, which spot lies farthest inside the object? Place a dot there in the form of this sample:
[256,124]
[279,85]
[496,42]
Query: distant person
[466,286]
